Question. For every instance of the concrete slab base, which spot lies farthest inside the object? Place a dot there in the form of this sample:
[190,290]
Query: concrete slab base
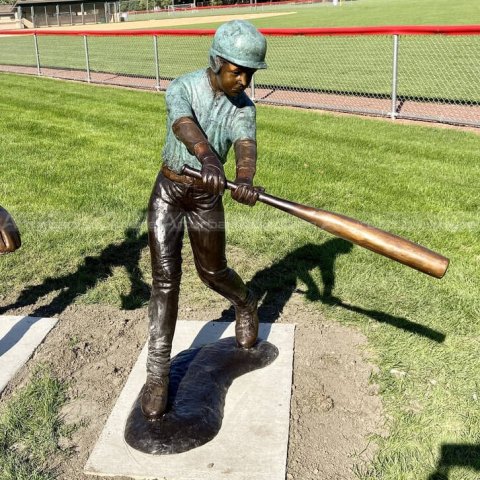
[253,440]
[19,337]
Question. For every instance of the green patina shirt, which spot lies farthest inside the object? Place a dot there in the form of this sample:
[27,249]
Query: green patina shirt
[223,119]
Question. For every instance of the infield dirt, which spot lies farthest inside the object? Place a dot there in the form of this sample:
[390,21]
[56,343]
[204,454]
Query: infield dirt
[170,22]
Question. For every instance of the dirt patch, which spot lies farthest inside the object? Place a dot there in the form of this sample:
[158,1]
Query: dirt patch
[334,407]
[171,22]
[334,411]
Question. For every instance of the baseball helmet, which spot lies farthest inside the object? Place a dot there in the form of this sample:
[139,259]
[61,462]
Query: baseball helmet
[239,42]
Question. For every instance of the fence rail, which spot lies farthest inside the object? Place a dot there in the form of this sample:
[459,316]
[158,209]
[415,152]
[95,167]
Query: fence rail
[426,73]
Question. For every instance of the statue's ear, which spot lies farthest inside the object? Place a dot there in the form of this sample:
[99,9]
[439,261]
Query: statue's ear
[216,63]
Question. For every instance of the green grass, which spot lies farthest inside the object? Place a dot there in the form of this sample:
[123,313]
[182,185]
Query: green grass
[77,167]
[30,428]
[65,137]
[429,66]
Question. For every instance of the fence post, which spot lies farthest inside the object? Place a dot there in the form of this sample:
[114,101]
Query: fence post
[37,54]
[393,112]
[157,65]
[87,58]
[252,89]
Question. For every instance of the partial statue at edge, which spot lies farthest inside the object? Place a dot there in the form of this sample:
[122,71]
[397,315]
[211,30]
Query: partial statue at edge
[208,111]
[9,234]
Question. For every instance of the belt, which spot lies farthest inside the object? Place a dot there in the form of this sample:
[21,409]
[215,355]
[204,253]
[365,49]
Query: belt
[176,177]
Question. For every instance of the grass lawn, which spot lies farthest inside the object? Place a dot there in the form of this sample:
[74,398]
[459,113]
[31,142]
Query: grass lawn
[78,163]
[31,420]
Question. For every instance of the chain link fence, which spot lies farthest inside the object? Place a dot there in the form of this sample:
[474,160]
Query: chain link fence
[375,71]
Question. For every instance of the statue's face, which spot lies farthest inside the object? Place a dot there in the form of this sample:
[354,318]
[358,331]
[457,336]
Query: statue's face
[233,79]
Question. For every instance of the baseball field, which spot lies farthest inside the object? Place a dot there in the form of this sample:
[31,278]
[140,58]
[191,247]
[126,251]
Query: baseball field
[77,166]
[294,62]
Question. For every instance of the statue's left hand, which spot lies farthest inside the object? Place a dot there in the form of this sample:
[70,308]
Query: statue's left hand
[9,234]
[246,193]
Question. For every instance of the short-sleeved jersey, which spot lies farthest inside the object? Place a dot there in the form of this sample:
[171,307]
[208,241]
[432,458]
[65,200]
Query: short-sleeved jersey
[223,119]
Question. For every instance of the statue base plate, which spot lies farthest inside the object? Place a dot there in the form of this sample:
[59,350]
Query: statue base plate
[252,440]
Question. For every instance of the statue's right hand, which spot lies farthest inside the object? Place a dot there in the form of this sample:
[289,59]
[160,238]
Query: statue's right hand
[213,175]
[9,234]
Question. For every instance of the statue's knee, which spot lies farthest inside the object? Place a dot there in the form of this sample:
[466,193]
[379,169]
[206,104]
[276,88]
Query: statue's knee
[212,277]
[167,272]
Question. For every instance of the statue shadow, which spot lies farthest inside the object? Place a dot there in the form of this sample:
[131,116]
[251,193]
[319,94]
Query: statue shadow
[456,455]
[276,284]
[93,270]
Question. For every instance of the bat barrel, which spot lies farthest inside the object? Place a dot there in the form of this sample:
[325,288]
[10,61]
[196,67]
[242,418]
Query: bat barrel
[384,243]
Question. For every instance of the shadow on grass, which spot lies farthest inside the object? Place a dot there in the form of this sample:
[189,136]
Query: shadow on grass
[92,271]
[277,283]
[456,455]
[274,284]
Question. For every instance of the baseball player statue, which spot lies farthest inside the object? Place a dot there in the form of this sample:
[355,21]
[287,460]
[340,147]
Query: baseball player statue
[208,111]
[9,234]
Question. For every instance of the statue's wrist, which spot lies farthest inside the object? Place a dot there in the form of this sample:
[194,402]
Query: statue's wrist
[244,181]
[211,160]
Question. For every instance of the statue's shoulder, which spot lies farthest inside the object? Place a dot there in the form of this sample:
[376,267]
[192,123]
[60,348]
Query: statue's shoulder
[189,81]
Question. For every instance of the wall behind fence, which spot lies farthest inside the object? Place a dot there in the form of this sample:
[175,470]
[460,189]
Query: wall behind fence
[426,73]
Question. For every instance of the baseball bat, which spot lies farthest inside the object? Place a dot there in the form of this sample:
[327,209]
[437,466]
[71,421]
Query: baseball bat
[387,244]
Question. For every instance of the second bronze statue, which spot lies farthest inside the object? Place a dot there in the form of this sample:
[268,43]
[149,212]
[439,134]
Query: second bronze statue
[9,235]
[387,244]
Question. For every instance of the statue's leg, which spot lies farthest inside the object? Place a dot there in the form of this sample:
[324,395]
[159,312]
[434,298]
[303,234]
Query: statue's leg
[206,229]
[165,234]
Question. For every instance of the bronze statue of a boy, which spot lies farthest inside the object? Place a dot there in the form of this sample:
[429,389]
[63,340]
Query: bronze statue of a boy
[208,111]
